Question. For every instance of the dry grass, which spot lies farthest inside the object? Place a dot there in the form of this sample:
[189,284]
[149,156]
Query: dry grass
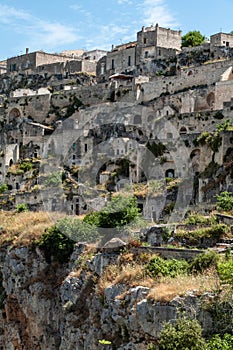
[130,274]
[24,228]
[169,288]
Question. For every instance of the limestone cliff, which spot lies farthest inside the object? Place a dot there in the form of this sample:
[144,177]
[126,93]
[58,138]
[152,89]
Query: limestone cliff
[51,306]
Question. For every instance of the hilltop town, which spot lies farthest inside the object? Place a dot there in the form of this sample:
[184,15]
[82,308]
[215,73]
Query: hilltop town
[99,110]
[144,132]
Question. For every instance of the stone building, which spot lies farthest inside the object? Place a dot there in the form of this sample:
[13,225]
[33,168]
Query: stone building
[152,43]
[94,55]
[121,58]
[68,67]
[157,42]
[222,39]
[29,62]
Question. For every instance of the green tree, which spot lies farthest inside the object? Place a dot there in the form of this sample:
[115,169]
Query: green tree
[58,241]
[192,38]
[185,334]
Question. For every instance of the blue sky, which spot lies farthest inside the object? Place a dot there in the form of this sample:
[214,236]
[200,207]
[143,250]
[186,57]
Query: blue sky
[59,25]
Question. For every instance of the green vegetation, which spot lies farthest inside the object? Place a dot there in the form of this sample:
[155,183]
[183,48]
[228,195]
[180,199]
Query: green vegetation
[213,140]
[55,245]
[120,211]
[196,219]
[220,343]
[185,334]
[204,261]
[21,207]
[54,179]
[192,38]
[105,342]
[158,149]
[57,242]
[193,237]
[225,271]
[3,188]
[224,201]
[77,230]
[25,166]
[158,267]
[73,106]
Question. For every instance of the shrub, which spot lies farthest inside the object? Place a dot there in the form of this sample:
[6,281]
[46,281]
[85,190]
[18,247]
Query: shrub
[3,188]
[55,245]
[158,149]
[53,179]
[120,211]
[21,207]
[204,261]
[221,311]
[225,271]
[195,219]
[225,201]
[185,334]
[78,230]
[194,237]
[26,166]
[158,267]
[220,343]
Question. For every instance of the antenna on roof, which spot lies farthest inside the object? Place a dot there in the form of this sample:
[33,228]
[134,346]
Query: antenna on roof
[220,30]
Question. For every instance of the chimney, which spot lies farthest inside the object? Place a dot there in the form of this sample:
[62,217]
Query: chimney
[27,50]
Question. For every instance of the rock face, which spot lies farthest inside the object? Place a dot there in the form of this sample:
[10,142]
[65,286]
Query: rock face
[49,306]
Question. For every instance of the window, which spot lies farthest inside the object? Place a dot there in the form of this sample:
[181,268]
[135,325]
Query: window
[129,61]
[227,43]
[144,40]
[85,147]
[146,54]
[13,67]
[113,64]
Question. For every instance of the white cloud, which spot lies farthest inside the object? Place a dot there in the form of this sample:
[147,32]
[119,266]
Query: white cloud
[106,35]
[38,34]
[50,34]
[9,14]
[122,2]
[156,11]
